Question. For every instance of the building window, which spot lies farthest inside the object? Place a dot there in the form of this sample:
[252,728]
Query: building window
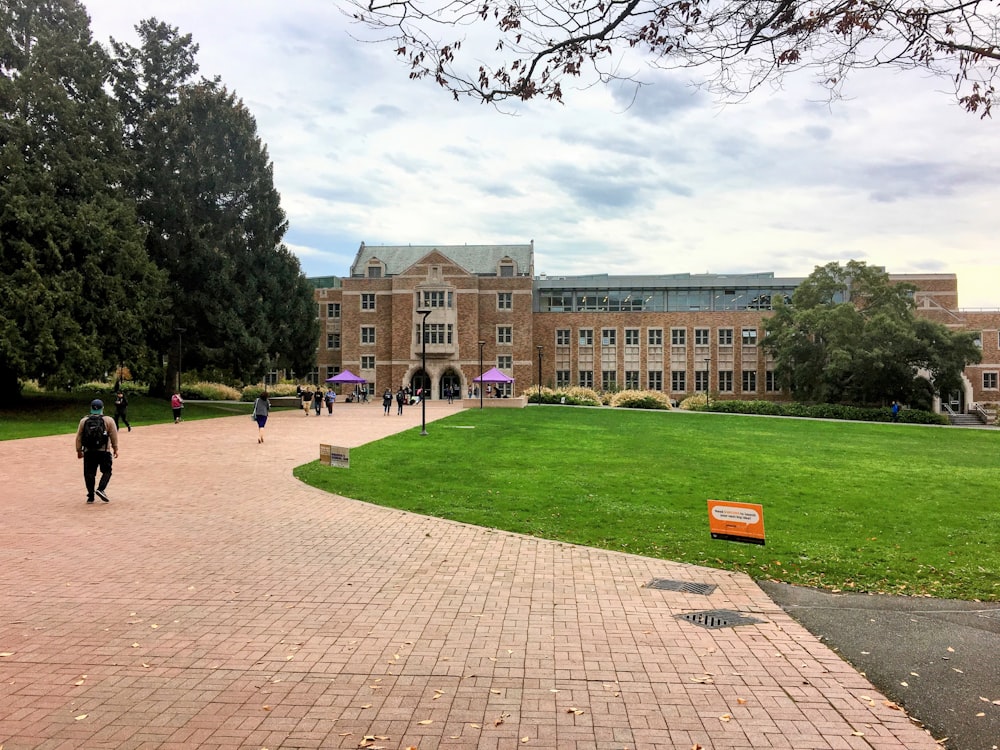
[632,380]
[631,337]
[562,378]
[507,270]
[749,337]
[374,271]
[654,337]
[562,337]
[990,381]
[700,381]
[433,299]
[437,333]
[367,334]
[505,301]
[333,309]
[331,371]
[609,380]
[725,337]
[586,337]
[701,336]
[367,301]
[504,334]
[749,381]
[770,382]
[368,362]
[505,362]
[678,381]
[333,341]
[609,336]
[725,381]
[655,380]
[586,378]
[678,336]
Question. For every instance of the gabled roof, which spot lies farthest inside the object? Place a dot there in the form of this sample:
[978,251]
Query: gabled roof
[476,259]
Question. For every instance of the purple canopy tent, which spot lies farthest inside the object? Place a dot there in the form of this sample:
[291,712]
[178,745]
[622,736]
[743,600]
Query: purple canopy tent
[346,377]
[493,375]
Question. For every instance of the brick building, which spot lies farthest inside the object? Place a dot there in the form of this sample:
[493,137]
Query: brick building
[484,307]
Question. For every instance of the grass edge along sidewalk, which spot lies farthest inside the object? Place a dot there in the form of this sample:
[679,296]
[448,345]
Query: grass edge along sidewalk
[896,509]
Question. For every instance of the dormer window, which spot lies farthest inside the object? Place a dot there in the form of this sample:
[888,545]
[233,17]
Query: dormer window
[375,269]
[507,270]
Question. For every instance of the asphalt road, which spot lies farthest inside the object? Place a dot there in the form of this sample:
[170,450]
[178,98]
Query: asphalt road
[938,658]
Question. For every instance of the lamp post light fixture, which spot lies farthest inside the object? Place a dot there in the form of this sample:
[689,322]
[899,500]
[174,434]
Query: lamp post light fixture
[481,345]
[539,389]
[423,366]
[180,356]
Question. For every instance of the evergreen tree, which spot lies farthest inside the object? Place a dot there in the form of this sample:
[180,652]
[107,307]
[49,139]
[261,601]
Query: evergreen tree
[205,190]
[78,293]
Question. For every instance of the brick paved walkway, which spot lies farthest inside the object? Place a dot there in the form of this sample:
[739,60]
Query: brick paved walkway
[218,603]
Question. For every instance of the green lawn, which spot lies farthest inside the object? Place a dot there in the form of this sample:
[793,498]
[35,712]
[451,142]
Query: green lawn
[888,508]
[57,414]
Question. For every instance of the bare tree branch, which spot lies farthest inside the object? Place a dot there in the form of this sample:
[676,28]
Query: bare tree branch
[528,48]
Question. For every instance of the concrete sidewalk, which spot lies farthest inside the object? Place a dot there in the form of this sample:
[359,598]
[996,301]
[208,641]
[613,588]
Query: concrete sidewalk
[216,602]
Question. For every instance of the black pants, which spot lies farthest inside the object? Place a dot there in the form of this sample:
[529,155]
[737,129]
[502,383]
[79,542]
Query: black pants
[92,461]
[122,414]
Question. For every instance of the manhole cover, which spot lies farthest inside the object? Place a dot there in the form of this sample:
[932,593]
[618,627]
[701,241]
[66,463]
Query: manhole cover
[688,587]
[718,618]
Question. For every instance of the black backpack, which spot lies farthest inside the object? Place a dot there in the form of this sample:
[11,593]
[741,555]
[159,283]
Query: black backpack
[95,433]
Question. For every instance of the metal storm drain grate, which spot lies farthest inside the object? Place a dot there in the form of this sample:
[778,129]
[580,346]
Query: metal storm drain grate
[688,587]
[718,618]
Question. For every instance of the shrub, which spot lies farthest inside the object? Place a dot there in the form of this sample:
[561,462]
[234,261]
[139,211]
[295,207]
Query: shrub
[640,400]
[697,402]
[814,411]
[579,396]
[251,392]
[574,396]
[204,391]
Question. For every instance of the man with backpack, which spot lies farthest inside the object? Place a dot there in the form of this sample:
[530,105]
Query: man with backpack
[97,445]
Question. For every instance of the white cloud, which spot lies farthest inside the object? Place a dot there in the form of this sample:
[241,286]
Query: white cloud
[659,180]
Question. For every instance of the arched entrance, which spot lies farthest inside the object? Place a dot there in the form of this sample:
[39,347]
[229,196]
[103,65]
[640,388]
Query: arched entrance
[420,379]
[450,380]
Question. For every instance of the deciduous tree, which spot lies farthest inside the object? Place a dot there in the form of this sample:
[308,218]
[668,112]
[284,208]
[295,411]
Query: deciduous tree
[851,335]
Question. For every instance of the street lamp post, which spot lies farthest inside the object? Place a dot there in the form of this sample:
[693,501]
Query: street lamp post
[423,365]
[180,356]
[481,345]
[539,389]
[708,380]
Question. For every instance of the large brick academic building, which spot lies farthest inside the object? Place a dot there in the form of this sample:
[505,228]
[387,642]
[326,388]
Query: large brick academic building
[484,307]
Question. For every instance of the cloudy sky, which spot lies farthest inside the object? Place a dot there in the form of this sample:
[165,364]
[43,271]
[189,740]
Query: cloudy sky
[897,175]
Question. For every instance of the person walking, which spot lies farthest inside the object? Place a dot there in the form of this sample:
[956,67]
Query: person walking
[307,398]
[318,401]
[261,409]
[177,404]
[97,445]
[121,410]
[895,411]
[331,399]
[400,398]
[386,401]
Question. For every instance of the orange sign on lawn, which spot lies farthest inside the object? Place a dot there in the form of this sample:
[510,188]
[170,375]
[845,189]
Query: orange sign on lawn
[736,522]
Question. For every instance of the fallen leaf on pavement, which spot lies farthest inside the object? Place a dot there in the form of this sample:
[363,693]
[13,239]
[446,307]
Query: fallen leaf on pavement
[81,717]
[425,722]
